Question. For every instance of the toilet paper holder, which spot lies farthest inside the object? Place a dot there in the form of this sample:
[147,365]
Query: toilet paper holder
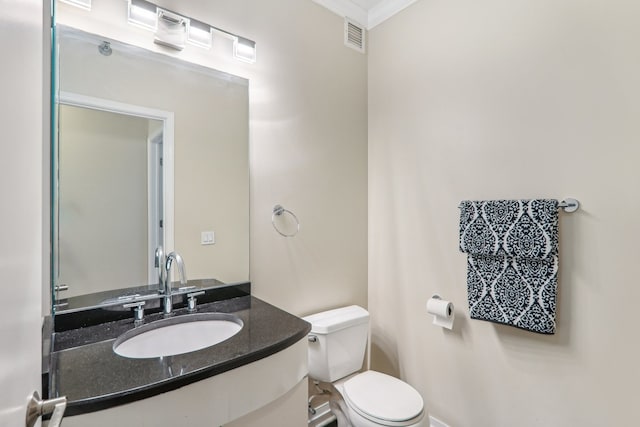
[442,311]
[449,308]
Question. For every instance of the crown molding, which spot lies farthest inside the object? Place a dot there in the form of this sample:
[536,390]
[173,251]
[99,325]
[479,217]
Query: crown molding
[346,8]
[367,18]
[385,10]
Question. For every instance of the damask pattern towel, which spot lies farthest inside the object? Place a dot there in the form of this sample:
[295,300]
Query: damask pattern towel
[512,261]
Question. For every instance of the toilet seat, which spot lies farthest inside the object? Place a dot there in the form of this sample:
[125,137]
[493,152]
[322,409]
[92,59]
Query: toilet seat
[383,399]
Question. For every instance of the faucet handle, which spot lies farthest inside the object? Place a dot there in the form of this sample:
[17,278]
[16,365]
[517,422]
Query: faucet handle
[138,309]
[191,300]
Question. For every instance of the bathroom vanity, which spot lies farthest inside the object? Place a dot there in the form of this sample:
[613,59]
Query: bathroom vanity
[265,361]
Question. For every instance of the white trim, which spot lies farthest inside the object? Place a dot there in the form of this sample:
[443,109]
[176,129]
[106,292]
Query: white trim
[167,117]
[150,197]
[367,18]
[25,47]
[167,184]
[386,10]
[346,9]
[153,160]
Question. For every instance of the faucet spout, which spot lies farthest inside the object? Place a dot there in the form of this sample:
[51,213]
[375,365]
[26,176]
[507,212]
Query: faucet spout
[182,272]
[166,288]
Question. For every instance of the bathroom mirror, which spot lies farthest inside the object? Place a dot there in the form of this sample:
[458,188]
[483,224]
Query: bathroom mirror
[150,151]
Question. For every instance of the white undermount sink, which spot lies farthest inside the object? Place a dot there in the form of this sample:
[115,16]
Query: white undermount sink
[177,335]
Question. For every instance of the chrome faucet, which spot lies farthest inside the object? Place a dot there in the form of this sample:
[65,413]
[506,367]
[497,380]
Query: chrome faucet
[165,275]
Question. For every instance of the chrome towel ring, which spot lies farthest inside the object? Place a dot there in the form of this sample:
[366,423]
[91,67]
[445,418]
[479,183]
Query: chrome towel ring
[278,210]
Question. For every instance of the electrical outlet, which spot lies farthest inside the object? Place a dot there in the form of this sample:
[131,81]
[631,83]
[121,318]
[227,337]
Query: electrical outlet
[207,238]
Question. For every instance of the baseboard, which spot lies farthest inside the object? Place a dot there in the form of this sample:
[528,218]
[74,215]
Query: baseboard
[434,422]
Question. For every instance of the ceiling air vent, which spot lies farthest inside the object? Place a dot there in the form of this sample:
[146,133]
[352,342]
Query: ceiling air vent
[354,35]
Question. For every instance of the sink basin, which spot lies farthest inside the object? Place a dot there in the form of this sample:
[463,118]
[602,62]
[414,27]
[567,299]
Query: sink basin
[177,335]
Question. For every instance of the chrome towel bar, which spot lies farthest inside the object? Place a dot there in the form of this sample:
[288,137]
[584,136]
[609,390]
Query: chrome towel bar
[568,205]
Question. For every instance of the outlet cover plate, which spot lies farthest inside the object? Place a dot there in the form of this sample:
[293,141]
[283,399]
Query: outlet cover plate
[207,238]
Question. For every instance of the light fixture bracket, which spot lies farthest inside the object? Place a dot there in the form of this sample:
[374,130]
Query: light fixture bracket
[172,30]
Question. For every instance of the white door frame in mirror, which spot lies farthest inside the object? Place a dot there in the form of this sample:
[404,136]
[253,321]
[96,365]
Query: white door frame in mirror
[167,117]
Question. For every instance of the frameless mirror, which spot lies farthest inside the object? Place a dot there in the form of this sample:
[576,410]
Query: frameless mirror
[150,151]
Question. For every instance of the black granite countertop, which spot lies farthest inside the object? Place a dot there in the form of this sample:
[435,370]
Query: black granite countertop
[84,367]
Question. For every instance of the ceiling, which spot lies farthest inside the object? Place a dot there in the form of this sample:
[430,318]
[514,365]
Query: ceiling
[367,4]
[368,13]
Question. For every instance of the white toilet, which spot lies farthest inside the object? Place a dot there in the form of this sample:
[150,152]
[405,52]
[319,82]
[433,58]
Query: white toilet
[337,344]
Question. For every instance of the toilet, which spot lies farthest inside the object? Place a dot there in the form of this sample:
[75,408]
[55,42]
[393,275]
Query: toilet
[337,344]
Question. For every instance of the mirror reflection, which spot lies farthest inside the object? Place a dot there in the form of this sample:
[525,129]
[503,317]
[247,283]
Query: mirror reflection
[151,151]
[109,199]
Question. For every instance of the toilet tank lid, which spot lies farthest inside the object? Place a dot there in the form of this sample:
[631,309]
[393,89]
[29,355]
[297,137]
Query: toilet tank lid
[336,319]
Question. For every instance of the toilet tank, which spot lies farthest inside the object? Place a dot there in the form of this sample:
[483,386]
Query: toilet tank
[337,344]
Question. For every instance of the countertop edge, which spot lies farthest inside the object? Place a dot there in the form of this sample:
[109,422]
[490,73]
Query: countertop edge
[105,402]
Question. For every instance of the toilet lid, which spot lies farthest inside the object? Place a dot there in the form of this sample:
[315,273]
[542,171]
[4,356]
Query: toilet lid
[383,397]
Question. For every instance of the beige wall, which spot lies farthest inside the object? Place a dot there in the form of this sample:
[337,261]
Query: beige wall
[507,99]
[308,153]
[308,134]
[102,200]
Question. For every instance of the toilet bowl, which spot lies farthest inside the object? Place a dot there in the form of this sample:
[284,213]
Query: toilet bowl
[337,344]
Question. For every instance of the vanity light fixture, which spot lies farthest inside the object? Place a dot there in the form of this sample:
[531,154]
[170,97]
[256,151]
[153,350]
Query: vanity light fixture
[143,14]
[244,49]
[82,4]
[172,29]
[200,34]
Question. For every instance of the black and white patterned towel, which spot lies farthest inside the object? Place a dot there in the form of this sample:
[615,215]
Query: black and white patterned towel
[512,261]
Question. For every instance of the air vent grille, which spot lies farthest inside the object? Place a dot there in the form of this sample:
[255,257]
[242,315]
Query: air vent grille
[354,35]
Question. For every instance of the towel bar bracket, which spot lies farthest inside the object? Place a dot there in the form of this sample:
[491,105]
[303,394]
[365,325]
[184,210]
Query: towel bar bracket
[569,205]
